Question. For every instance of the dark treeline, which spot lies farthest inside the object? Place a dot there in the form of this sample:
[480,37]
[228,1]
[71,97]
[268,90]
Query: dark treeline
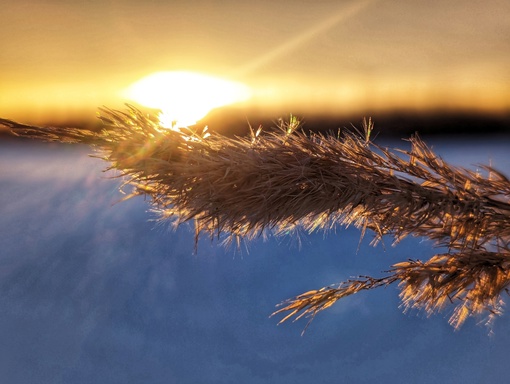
[386,124]
[232,121]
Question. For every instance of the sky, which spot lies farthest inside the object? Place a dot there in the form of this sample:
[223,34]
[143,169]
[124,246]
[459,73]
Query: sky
[63,59]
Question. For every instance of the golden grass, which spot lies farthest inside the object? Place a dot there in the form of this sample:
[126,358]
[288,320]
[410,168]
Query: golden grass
[286,179]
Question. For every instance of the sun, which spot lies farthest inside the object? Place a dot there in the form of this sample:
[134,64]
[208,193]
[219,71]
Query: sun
[185,97]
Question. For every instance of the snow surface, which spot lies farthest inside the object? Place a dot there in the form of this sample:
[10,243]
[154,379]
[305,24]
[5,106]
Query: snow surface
[93,291]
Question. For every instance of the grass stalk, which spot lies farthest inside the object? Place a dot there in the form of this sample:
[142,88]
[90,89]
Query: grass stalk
[283,180]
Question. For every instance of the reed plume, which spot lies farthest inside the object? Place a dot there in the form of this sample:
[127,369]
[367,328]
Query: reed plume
[285,179]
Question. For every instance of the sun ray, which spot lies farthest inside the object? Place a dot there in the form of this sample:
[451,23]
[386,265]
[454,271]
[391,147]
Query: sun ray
[342,14]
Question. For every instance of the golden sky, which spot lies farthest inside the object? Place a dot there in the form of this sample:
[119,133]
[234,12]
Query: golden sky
[61,59]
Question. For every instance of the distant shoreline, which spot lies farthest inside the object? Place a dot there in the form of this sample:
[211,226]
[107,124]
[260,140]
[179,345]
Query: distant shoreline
[401,124]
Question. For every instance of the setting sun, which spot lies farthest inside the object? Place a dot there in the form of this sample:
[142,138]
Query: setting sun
[185,97]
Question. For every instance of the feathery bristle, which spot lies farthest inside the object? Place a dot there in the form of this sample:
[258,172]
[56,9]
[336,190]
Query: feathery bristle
[286,179]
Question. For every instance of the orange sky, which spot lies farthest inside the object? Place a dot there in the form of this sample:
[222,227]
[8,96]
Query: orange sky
[62,59]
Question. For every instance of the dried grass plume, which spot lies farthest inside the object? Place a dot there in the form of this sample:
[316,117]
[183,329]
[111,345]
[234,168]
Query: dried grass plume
[286,179]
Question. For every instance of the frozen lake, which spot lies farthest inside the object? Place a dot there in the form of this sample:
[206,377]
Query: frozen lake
[94,292]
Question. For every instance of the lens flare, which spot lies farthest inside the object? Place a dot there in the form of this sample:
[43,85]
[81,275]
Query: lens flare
[185,97]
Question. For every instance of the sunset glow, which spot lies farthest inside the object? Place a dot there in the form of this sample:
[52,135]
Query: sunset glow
[335,60]
[185,97]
